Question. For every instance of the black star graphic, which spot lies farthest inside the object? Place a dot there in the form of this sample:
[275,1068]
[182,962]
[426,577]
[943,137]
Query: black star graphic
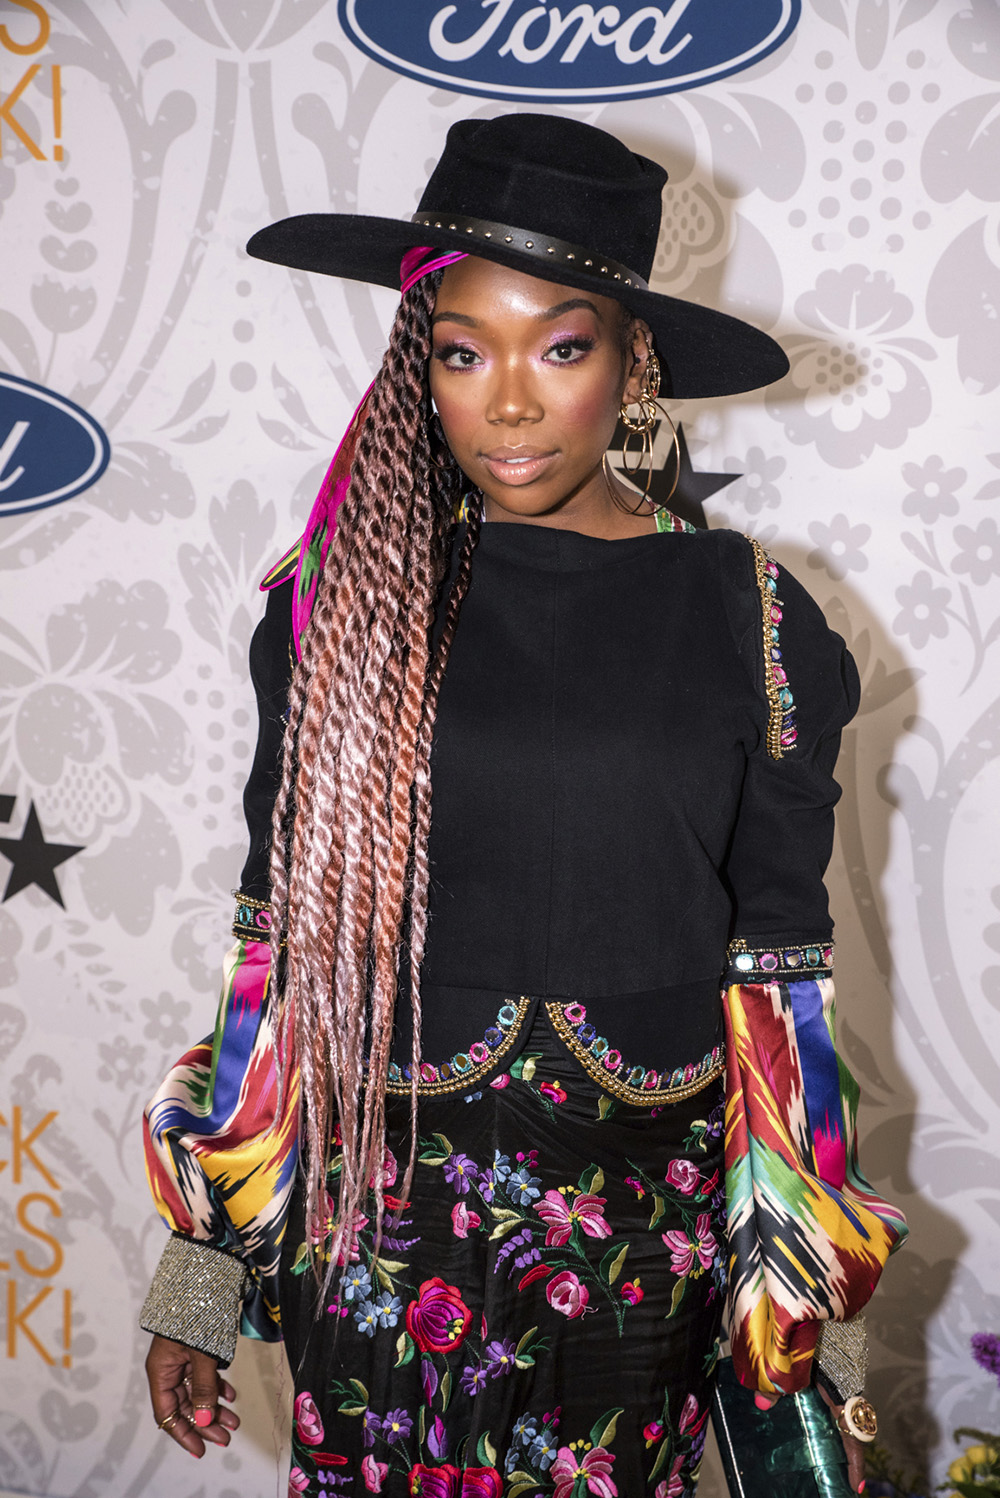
[34,860]
[6,808]
[692,489]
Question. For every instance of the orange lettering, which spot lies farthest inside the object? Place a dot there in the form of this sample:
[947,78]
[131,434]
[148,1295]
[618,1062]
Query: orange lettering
[6,117]
[23,1147]
[29,1227]
[19,1319]
[41,37]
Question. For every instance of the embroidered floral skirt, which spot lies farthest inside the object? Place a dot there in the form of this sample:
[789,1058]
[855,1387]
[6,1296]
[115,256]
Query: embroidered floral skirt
[543,1319]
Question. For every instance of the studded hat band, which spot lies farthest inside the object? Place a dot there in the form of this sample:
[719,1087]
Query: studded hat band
[542,246]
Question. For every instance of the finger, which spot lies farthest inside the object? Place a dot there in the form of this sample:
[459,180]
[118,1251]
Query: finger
[855,1463]
[204,1389]
[226,1389]
[765,1401]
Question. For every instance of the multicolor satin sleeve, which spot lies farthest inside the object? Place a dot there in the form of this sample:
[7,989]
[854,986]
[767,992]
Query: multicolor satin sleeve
[220,1147]
[808,1235]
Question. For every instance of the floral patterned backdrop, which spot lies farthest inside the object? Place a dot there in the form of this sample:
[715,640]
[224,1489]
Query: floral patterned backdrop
[845,194]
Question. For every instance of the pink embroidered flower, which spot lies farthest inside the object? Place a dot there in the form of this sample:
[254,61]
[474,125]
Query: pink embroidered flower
[684,1175]
[481,1482]
[567,1295]
[594,1466]
[502,1081]
[553,1092]
[438,1320]
[690,1419]
[672,1486]
[633,1292]
[652,1433]
[562,1213]
[683,1252]
[435,1482]
[374,1473]
[463,1221]
[308,1425]
[297,1482]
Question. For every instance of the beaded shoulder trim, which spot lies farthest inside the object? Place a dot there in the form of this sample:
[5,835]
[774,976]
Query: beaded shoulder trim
[465,1068]
[633,1084]
[781,729]
[252,921]
[777,961]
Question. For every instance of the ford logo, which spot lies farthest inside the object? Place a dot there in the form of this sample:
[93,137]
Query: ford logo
[49,448]
[568,53]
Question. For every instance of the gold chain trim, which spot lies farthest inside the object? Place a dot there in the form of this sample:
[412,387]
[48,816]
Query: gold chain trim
[781,733]
[640,1096]
[248,925]
[465,1081]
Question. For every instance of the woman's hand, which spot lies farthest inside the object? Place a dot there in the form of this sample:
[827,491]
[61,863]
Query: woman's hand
[185,1388]
[853,1448]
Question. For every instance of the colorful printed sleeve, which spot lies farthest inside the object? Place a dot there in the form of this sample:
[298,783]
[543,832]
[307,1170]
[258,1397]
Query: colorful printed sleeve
[221,1145]
[808,1235]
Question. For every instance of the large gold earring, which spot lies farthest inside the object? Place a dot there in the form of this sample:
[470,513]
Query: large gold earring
[642,425]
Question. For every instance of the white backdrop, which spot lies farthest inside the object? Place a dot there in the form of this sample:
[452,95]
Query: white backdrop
[842,193]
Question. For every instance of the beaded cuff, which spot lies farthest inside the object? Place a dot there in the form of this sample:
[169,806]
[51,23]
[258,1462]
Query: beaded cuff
[633,1084]
[781,729]
[776,962]
[253,919]
[841,1356]
[196,1298]
[466,1068]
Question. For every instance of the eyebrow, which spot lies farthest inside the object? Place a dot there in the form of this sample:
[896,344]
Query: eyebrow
[546,316]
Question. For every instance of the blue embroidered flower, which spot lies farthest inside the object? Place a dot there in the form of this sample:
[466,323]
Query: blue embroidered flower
[460,1171]
[499,1356]
[366,1318]
[543,1449]
[522,1187]
[356,1282]
[387,1308]
[472,1378]
[525,1429]
[501,1167]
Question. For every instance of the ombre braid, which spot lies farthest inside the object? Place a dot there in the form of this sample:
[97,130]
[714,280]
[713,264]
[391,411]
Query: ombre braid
[349,869]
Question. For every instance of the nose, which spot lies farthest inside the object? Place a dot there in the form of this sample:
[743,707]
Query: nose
[513,397]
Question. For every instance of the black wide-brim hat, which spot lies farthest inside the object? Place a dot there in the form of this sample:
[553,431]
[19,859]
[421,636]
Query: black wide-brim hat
[559,200]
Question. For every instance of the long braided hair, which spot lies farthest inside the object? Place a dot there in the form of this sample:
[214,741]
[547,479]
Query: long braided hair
[349,865]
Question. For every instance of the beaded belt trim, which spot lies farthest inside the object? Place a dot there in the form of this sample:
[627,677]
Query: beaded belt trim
[765,964]
[634,1084]
[465,1068]
[253,920]
[781,729]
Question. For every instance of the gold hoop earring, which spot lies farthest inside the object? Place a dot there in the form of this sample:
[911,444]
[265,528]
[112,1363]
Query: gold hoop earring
[643,422]
[676,442]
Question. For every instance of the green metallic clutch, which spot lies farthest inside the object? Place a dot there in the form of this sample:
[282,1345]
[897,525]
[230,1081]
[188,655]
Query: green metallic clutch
[792,1450]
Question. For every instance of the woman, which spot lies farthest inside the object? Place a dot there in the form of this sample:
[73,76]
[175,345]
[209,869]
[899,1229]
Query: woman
[498,1265]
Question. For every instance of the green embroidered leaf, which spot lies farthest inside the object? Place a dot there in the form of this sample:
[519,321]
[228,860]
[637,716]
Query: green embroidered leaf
[602,1432]
[614,1269]
[504,1213]
[503,1228]
[431,1157]
[422,1424]
[359,1388]
[524,1361]
[521,1482]
[394,1266]
[405,1348]
[445,1390]
[661,1457]
[382,1275]
[592,1179]
[301,1255]
[525,1341]
[353,1409]
[676,1298]
[606,1106]
[524,1067]
[486,1452]
[659,1207]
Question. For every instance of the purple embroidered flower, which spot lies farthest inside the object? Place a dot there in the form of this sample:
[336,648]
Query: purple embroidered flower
[396,1426]
[473,1378]
[437,1440]
[371,1425]
[460,1171]
[986,1351]
[499,1356]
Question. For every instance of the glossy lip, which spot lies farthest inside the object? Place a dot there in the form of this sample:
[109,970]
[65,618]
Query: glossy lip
[517,465]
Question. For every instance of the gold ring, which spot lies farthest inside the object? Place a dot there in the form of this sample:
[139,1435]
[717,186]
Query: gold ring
[858,1419]
[168,1421]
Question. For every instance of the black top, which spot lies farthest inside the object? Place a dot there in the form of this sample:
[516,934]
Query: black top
[606,816]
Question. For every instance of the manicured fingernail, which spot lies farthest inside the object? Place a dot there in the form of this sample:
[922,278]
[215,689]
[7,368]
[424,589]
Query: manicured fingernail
[203,1417]
[762,1402]
[862,1485]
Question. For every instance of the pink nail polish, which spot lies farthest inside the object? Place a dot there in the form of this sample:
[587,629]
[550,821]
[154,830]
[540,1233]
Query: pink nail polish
[862,1485]
[762,1402]
[202,1417]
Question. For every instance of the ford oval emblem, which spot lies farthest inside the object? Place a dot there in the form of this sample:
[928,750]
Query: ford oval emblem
[49,448]
[568,53]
